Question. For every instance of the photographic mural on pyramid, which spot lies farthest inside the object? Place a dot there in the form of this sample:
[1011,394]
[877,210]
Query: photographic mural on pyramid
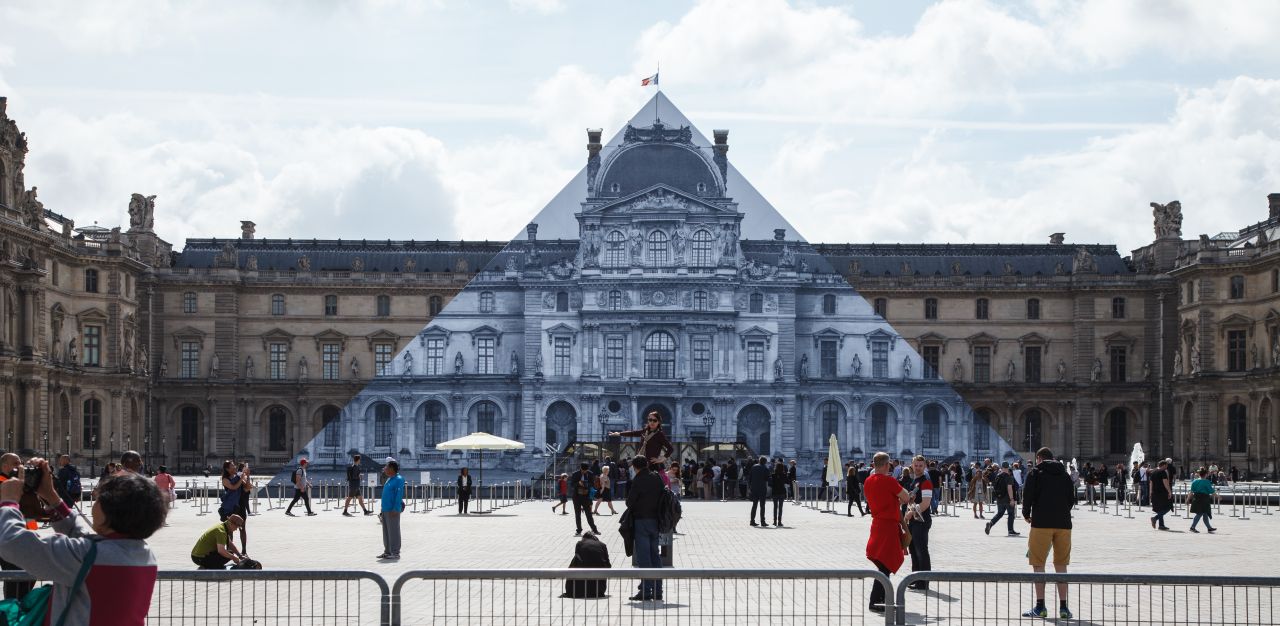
[660,280]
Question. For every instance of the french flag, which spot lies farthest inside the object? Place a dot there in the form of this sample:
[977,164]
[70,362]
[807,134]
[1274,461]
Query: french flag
[652,80]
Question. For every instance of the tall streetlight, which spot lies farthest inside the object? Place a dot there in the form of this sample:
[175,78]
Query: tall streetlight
[1204,451]
[68,444]
[1273,458]
[1231,457]
[44,436]
[709,421]
[1248,444]
[93,463]
[9,448]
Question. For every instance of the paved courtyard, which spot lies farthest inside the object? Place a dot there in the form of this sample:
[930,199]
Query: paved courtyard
[716,535]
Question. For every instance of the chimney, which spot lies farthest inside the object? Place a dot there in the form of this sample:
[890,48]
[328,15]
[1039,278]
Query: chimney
[4,104]
[593,141]
[593,158]
[721,156]
[246,229]
[779,234]
[532,230]
[1057,239]
[1273,203]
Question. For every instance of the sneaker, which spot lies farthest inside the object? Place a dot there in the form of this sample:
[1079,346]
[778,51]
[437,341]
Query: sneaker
[1064,613]
[290,513]
[639,597]
[1195,531]
[1213,530]
[1014,533]
[394,557]
[368,512]
[346,514]
[1153,522]
[309,513]
[1038,611]
[383,556]
[577,533]
[987,528]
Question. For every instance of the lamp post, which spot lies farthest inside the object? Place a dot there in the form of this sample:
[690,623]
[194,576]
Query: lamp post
[709,421]
[1273,458]
[93,446]
[44,436]
[1231,457]
[68,444]
[9,448]
[111,446]
[1204,451]
[1248,462]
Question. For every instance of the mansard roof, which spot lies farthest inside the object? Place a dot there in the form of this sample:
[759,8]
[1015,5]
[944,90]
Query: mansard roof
[969,259]
[339,254]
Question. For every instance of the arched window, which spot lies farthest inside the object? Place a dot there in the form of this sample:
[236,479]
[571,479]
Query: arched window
[432,423]
[277,304]
[702,242]
[615,300]
[486,417]
[931,438]
[699,300]
[486,302]
[660,356]
[1118,431]
[91,280]
[384,305]
[189,429]
[831,412]
[982,429]
[277,427]
[829,304]
[982,309]
[615,249]
[330,417]
[434,305]
[382,424]
[1031,430]
[92,423]
[1033,308]
[1237,428]
[756,303]
[879,425]
[562,301]
[931,308]
[659,252]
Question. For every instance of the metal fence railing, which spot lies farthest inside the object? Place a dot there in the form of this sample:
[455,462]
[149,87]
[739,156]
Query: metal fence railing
[691,597]
[997,598]
[269,598]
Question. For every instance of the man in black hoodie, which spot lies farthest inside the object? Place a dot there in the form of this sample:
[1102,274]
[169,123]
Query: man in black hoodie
[1047,497]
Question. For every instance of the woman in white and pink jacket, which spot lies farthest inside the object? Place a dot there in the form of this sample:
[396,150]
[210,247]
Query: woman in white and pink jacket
[119,582]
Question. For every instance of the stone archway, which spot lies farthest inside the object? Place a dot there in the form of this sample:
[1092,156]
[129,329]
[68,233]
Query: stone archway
[754,429]
[562,424]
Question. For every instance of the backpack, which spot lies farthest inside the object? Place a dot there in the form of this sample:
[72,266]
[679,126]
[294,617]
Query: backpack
[73,484]
[669,511]
[596,482]
[294,478]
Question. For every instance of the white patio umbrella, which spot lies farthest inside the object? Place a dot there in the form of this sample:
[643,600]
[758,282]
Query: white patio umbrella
[834,470]
[480,442]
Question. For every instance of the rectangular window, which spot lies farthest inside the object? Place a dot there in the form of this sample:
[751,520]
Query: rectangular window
[1031,363]
[982,364]
[484,355]
[701,358]
[560,356]
[93,346]
[755,360]
[982,310]
[1236,351]
[881,307]
[189,302]
[1118,308]
[1275,281]
[1119,363]
[828,352]
[981,430]
[1033,309]
[381,359]
[189,359]
[91,281]
[1237,287]
[277,304]
[880,359]
[1191,292]
[435,356]
[931,308]
[931,356]
[330,305]
[278,357]
[614,356]
[330,360]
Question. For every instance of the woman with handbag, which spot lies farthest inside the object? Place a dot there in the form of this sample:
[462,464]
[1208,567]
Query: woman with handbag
[885,547]
[129,509]
[1200,500]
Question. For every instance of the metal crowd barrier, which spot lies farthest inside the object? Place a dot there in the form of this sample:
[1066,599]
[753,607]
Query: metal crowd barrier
[690,596]
[995,598]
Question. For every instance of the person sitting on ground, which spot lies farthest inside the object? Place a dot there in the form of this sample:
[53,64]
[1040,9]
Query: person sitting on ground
[589,553]
[128,510]
[216,547]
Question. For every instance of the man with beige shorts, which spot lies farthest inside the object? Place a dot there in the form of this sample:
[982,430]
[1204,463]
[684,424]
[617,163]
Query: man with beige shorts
[1047,498]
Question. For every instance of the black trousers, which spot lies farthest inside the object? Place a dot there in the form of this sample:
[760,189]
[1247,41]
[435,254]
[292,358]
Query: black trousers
[757,499]
[778,499]
[582,505]
[877,589]
[464,501]
[855,497]
[213,560]
[300,494]
[920,561]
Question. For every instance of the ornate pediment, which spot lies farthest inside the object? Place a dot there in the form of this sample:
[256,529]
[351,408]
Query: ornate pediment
[485,330]
[561,330]
[982,339]
[828,334]
[1120,338]
[1032,339]
[881,334]
[434,331]
[660,199]
[756,332]
[277,335]
[1236,321]
[187,333]
[381,336]
[331,336]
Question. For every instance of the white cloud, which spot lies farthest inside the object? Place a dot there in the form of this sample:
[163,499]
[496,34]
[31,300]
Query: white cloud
[544,7]
[123,26]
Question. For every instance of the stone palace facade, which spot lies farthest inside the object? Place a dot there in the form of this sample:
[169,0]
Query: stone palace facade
[262,349]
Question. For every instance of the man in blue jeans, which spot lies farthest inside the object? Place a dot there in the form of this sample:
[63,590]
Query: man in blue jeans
[1006,497]
[643,501]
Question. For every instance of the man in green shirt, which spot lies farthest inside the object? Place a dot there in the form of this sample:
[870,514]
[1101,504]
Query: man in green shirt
[215,548]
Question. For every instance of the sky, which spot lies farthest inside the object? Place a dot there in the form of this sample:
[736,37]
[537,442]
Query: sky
[965,121]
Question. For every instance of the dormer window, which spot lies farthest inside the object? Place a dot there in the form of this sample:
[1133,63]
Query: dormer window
[615,188]
[702,188]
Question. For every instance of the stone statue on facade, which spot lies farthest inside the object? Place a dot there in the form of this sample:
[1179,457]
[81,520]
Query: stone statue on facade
[515,364]
[1062,371]
[303,370]
[1177,363]
[1168,219]
[72,353]
[457,362]
[857,366]
[1257,359]
[1275,352]
[357,264]
[164,366]
[1095,372]
[906,367]
[1083,261]
[142,212]
[1146,370]
[803,373]
[728,245]
[537,363]
[304,263]
[787,258]
[251,263]
[591,246]
[32,209]
[678,239]
[1195,359]
[957,371]
[409,264]
[249,370]
[228,257]
[144,360]
[1011,371]
[214,363]
[777,369]
[408,363]
[637,246]
[355,369]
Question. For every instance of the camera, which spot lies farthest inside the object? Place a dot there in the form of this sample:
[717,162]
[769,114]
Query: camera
[30,504]
[34,475]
